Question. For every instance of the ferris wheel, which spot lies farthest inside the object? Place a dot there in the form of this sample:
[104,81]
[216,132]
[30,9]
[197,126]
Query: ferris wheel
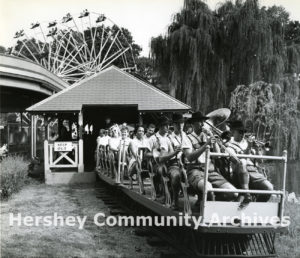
[77,46]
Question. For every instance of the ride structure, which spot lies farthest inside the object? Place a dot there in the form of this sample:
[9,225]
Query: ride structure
[225,230]
[77,46]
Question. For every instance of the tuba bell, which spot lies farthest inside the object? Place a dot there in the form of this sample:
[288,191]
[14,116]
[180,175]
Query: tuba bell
[217,118]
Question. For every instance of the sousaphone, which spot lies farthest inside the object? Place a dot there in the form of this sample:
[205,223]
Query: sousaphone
[218,117]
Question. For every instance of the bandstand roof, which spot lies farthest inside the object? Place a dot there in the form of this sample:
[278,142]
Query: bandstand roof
[111,86]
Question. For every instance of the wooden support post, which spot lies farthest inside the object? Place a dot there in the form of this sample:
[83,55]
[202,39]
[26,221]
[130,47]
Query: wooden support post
[33,136]
[46,157]
[80,144]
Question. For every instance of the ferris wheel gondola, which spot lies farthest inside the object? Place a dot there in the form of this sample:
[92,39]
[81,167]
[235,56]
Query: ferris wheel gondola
[75,47]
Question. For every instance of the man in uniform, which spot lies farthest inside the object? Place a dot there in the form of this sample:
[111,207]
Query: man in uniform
[196,157]
[246,175]
[165,154]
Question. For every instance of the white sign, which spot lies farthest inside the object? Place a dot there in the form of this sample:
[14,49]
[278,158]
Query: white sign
[63,146]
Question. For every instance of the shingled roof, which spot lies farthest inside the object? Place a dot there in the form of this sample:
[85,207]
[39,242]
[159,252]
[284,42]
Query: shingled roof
[111,86]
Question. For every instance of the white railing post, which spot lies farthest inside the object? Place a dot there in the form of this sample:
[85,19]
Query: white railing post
[80,158]
[203,204]
[80,143]
[46,157]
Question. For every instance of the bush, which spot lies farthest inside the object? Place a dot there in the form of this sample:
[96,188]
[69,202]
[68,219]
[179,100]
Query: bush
[13,175]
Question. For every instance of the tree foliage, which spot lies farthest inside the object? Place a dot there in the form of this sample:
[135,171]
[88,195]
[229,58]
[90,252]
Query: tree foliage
[206,53]
[270,111]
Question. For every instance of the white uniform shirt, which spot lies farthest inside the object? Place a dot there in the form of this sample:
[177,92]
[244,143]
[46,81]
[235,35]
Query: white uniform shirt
[157,142]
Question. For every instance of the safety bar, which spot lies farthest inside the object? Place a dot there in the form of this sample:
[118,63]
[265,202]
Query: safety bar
[209,154]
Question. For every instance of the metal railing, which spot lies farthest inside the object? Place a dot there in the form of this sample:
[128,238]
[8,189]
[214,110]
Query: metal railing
[209,154]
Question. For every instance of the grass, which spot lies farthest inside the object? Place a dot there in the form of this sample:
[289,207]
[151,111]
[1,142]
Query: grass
[13,175]
[66,241]
[288,244]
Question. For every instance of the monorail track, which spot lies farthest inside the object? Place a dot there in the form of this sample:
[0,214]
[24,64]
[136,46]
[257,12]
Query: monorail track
[190,242]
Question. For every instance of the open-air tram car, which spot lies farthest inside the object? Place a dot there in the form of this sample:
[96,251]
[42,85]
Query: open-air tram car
[239,233]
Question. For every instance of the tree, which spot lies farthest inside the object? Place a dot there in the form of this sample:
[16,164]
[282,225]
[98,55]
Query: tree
[206,54]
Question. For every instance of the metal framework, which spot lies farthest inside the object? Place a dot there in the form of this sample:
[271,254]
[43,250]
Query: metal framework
[76,47]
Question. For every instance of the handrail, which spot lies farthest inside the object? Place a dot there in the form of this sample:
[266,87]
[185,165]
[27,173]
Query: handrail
[209,154]
[281,158]
[220,190]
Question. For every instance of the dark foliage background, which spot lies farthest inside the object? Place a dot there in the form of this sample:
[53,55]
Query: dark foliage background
[243,56]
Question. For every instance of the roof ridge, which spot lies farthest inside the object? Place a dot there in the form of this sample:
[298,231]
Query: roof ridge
[151,86]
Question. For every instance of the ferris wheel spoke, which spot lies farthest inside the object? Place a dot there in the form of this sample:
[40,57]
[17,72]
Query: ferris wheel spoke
[106,65]
[123,56]
[87,50]
[71,60]
[119,51]
[74,45]
[93,37]
[112,43]
[102,46]
[81,67]
[59,44]
[83,37]
[71,68]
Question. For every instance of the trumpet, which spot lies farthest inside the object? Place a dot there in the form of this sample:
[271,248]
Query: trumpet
[251,139]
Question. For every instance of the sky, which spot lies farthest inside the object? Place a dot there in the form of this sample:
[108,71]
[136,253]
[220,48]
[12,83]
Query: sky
[144,18]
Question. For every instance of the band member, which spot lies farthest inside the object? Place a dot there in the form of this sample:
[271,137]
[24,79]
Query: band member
[246,175]
[150,130]
[165,154]
[195,170]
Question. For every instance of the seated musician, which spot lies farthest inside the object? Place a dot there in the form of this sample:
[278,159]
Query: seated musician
[179,138]
[196,157]
[246,175]
[165,154]
[137,144]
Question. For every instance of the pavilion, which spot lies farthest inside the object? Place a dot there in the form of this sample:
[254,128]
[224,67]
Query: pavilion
[111,92]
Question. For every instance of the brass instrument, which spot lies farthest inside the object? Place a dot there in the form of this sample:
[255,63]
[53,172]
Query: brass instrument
[217,118]
[260,144]
[220,116]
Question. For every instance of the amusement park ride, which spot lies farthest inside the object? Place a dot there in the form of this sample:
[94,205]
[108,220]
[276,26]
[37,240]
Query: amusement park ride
[75,47]
[235,236]
[82,45]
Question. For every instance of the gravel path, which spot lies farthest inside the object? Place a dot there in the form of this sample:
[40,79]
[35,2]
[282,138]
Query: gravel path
[66,241]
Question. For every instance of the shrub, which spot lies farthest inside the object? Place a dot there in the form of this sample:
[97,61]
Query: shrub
[13,175]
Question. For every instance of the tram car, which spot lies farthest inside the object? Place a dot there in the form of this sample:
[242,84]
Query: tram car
[241,232]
